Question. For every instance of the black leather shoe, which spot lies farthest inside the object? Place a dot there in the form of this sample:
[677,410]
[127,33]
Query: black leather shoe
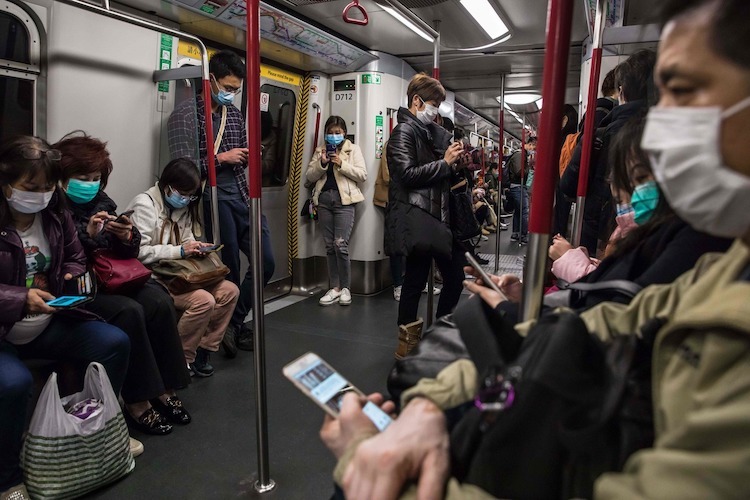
[173,410]
[229,342]
[150,422]
[245,338]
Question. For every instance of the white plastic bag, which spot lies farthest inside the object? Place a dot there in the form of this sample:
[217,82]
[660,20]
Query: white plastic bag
[64,456]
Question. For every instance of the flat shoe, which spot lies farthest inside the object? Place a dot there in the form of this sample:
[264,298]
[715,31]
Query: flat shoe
[150,422]
[172,410]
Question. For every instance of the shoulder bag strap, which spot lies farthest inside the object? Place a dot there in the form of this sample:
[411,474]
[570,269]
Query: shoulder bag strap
[220,133]
[624,287]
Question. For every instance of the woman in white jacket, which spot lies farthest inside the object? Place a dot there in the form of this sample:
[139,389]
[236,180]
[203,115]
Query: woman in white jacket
[335,196]
[165,215]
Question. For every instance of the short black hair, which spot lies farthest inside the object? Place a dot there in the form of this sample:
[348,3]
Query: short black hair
[608,85]
[531,140]
[226,63]
[334,121]
[730,36]
[448,124]
[636,76]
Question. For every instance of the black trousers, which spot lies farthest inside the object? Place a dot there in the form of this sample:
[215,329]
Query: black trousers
[418,270]
[156,361]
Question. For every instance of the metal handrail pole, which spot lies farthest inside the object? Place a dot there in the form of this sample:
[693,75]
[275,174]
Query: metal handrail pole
[498,204]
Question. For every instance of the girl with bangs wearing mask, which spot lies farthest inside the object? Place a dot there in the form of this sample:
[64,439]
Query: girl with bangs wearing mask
[156,366]
[39,251]
[337,169]
[165,215]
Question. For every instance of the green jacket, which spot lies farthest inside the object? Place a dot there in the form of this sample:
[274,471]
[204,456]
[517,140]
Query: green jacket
[701,385]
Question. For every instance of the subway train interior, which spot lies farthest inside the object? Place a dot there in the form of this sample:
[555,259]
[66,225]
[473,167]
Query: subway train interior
[118,69]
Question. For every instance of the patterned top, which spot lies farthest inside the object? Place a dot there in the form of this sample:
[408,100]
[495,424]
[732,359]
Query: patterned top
[182,137]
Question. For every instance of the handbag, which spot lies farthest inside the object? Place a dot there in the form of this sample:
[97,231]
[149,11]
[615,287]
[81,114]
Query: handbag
[68,455]
[309,210]
[191,273]
[119,275]
[464,224]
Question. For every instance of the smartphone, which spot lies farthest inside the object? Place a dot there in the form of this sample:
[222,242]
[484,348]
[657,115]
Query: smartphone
[485,277]
[69,301]
[121,218]
[331,150]
[212,248]
[326,387]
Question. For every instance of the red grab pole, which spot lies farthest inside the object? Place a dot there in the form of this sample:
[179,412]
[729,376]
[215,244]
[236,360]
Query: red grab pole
[560,16]
[588,126]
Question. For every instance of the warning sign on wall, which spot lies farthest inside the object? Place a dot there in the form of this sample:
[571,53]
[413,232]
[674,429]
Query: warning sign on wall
[264,99]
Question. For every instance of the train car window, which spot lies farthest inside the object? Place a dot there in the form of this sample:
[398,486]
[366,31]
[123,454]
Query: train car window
[14,40]
[277,128]
[16,107]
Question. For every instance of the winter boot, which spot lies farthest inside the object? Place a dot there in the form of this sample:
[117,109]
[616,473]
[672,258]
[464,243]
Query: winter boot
[408,338]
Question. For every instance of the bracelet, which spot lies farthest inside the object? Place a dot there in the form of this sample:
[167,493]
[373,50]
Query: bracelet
[182,251]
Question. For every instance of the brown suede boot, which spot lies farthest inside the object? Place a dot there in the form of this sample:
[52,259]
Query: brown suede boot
[408,338]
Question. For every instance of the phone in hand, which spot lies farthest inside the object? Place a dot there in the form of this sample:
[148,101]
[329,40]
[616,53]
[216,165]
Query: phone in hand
[69,301]
[326,387]
[212,248]
[486,281]
[121,218]
[331,150]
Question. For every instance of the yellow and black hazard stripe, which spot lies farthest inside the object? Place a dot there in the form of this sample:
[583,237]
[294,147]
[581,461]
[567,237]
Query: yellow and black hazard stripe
[295,170]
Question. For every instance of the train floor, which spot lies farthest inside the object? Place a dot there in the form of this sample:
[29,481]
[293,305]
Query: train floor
[215,456]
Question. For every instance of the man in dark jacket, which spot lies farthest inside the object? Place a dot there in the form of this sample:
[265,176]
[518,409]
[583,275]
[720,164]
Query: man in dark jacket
[517,167]
[633,78]
[417,225]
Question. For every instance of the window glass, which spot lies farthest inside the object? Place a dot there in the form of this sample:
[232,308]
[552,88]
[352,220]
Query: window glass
[16,107]
[277,128]
[14,39]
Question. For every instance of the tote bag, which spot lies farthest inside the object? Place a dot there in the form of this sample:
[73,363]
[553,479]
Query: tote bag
[65,456]
[192,273]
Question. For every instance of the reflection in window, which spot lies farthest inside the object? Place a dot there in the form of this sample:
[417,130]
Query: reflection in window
[14,39]
[16,107]
[277,127]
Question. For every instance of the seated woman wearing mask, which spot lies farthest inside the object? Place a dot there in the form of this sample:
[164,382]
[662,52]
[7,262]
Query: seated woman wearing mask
[157,366]
[165,216]
[39,250]
[698,141]
[337,179]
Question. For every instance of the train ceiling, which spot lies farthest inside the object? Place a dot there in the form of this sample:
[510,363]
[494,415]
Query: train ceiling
[473,75]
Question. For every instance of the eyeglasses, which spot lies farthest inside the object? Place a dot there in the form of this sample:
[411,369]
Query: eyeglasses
[229,90]
[189,197]
[36,154]
[498,390]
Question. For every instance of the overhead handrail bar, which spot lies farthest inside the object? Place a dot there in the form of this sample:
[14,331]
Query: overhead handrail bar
[559,23]
[353,20]
[589,125]
[211,168]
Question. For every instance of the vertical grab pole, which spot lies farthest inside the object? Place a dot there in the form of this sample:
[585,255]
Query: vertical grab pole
[431,278]
[264,482]
[211,167]
[317,125]
[588,126]
[523,184]
[559,20]
[498,204]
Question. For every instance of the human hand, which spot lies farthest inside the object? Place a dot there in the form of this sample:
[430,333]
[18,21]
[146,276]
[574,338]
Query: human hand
[122,230]
[336,160]
[509,284]
[323,158]
[192,248]
[233,156]
[415,446]
[453,153]
[337,433]
[36,301]
[559,246]
[96,223]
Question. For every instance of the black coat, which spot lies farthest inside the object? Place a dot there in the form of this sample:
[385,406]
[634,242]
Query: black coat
[419,178]
[103,240]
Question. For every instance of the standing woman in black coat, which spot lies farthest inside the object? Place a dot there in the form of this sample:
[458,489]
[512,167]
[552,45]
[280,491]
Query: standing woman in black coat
[417,225]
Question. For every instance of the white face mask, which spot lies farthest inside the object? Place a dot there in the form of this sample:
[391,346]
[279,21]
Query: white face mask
[29,202]
[684,145]
[428,114]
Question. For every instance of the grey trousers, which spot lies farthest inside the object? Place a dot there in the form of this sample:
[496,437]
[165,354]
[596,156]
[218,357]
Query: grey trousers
[336,221]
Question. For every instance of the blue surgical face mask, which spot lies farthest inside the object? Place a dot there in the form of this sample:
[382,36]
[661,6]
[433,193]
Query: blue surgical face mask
[177,201]
[334,139]
[222,97]
[81,192]
[644,200]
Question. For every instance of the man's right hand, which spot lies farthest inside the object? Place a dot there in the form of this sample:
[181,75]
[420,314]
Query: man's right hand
[414,446]
[233,156]
[453,153]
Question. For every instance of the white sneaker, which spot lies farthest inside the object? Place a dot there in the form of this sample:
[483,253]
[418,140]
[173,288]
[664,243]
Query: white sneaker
[331,297]
[435,290]
[345,298]
[397,293]
[136,447]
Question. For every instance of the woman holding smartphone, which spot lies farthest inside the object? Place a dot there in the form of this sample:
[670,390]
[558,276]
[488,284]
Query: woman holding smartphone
[39,251]
[156,367]
[337,169]
[166,215]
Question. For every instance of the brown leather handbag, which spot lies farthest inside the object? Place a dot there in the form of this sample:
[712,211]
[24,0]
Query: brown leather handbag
[191,273]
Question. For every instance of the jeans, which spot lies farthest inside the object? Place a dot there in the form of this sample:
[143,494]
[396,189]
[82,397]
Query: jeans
[337,221]
[519,195]
[417,272]
[64,339]
[234,228]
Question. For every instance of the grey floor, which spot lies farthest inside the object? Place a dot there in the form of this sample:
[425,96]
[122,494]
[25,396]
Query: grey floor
[215,456]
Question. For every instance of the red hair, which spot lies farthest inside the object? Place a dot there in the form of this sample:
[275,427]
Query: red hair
[83,154]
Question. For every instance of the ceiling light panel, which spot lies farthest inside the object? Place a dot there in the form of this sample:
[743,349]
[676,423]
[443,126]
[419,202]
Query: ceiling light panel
[407,23]
[520,99]
[486,16]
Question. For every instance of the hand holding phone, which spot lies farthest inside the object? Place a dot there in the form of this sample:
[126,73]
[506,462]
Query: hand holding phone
[486,280]
[123,217]
[68,301]
[209,249]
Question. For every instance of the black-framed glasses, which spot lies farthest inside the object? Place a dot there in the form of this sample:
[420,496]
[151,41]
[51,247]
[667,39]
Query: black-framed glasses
[230,90]
[189,197]
[498,390]
[36,154]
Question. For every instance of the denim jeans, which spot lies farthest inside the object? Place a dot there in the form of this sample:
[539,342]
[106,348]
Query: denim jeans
[234,228]
[336,221]
[64,339]
[518,195]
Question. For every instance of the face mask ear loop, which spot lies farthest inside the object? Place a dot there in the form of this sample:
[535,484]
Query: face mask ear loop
[733,110]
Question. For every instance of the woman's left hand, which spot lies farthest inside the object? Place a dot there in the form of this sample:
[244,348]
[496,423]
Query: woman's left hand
[559,246]
[122,230]
[335,159]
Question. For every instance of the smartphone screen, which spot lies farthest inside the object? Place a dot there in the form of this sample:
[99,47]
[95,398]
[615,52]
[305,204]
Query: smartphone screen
[67,301]
[327,387]
[485,277]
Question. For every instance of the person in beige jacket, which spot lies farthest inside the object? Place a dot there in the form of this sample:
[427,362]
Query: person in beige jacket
[698,140]
[335,196]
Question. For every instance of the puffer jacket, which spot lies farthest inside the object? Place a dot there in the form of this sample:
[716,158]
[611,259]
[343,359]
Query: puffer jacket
[163,230]
[67,256]
[419,177]
[104,240]
[352,171]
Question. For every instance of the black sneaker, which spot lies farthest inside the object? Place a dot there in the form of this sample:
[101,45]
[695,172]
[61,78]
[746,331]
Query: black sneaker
[524,240]
[229,342]
[245,338]
[201,367]
[514,237]
[481,260]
